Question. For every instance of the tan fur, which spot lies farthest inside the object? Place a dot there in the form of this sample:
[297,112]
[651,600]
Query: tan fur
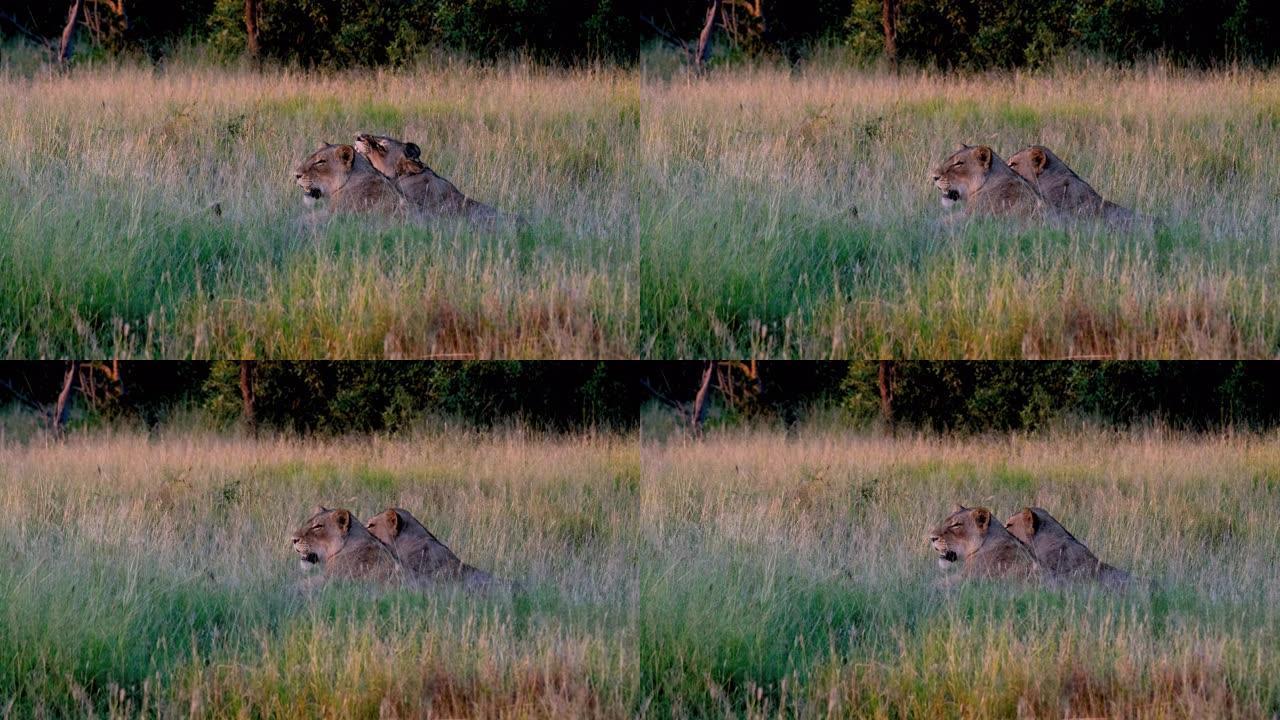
[977,177]
[985,547]
[431,193]
[1065,191]
[421,552]
[1058,551]
[337,541]
[347,182]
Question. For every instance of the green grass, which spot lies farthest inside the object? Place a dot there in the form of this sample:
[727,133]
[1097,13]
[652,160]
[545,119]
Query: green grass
[108,245]
[789,215]
[154,578]
[789,576]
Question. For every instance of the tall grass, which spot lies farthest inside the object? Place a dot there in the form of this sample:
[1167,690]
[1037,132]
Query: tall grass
[109,245]
[789,216]
[152,577]
[788,576]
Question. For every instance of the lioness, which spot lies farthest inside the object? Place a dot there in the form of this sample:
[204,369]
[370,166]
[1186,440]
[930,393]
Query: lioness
[978,177]
[1065,191]
[421,553]
[431,193]
[347,181]
[344,549]
[988,550]
[1057,550]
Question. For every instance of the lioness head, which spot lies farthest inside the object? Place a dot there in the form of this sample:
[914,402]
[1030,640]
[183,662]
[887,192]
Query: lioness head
[1032,162]
[960,534]
[326,170]
[1024,524]
[961,174]
[387,526]
[322,535]
[386,154]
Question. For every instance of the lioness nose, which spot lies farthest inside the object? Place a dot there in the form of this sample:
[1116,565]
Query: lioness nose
[297,176]
[936,177]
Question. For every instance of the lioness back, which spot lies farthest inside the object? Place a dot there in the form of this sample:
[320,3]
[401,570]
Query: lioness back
[1058,551]
[1067,192]
[431,193]
[421,552]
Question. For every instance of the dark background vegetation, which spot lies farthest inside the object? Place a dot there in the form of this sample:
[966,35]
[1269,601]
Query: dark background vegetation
[337,33]
[975,397]
[972,34]
[335,397]
[943,397]
[979,34]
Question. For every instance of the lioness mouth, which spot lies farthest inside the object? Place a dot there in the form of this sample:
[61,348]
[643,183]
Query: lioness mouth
[311,558]
[949,556]
[952,195]
[313,193]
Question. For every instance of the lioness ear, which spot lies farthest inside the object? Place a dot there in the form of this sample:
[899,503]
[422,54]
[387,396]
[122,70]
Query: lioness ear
[1038,160]
[413,151]
[983,155]
[346,154]
[1032,522]
[393,521]
[982,517]
[343,517]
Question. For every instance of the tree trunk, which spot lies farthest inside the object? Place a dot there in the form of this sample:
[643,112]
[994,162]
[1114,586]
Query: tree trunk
[889,19]
[63,408]
[251,26]
[699,412]
[246,395]
[69,32]
[703,53]
[886,393]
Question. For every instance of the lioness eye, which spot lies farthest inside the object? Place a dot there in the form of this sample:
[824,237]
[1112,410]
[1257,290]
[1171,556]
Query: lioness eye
[317,527]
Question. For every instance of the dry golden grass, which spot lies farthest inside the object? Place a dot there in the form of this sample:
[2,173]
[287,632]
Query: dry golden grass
[111,248]
[817,232]
[791,577]
[153,577]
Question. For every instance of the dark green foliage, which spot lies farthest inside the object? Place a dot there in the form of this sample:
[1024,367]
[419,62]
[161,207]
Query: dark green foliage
[339,33]
[975,397]
[341,397]
[1002,396]
[337,397]
[1017,33]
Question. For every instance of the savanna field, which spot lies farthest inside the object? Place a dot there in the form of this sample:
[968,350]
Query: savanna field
[790,215]
[153,577]
[151,212]
[789,576]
